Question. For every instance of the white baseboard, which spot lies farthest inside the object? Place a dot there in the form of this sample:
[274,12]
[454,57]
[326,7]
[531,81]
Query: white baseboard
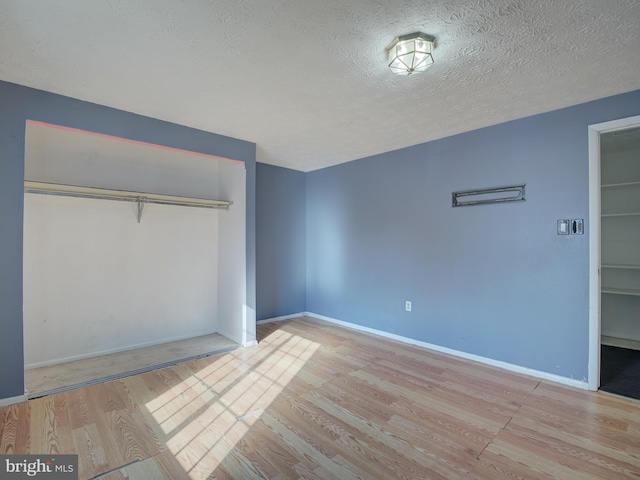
[251,343]
[280,319]
[468,356]
[83,356]
[5,402]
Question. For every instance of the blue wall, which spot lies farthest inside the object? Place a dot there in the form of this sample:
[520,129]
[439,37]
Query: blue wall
[491,280]
[280,241]
[17,104]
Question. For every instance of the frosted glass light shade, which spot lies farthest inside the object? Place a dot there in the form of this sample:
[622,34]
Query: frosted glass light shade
[410,53]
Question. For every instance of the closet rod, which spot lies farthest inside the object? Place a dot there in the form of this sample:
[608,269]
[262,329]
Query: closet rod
[121,196]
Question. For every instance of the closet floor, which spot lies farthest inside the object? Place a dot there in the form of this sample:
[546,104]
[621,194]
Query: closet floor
[620,371]
[65,376]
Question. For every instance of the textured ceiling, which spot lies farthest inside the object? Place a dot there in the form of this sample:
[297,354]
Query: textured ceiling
[307,81]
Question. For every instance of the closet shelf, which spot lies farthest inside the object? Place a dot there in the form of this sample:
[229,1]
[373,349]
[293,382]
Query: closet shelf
[620,266]
[122,196]
[620,185]
[621,291]
[630,214]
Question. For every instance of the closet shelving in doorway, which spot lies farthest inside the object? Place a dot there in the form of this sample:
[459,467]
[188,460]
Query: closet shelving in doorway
[122,196]
[620,228]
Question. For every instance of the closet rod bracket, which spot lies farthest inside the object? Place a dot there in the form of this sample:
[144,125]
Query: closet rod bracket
[141,202]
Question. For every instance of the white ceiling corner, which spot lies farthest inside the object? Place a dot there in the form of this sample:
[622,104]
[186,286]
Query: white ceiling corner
[307,81]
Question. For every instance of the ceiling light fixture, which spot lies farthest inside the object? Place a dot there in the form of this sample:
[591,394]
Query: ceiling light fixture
[410,53]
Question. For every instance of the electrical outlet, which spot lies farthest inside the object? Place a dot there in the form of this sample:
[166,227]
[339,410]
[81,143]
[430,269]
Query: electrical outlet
[407,306]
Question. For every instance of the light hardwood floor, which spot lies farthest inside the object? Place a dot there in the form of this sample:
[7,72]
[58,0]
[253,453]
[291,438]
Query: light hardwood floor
[64,376]
[318,401]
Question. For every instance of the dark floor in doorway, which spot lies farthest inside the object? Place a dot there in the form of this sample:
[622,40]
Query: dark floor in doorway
[620,371]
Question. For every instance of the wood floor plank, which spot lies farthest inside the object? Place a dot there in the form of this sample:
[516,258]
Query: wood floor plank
[498,466]
[255,450]
[575,451]
[318,401]
[564,463]
[447,424]
[303,450]
[50,433]
[452,453]
[88,444]
[80,412]
[319,473]
[499,402]
[39,381]
[372,447]
[462,408]
[278,458]
[371,407]
[313,424]
[16,432]
[160,467]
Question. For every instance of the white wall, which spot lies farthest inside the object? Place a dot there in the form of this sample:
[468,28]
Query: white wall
[60,156]
[95,280]
[234,321]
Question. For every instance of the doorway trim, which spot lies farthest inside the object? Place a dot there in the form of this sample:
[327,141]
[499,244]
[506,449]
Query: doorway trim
[595,131]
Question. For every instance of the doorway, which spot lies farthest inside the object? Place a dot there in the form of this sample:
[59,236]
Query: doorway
[614,232]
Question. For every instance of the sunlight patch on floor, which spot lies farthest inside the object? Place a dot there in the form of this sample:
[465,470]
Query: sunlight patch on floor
[207,414]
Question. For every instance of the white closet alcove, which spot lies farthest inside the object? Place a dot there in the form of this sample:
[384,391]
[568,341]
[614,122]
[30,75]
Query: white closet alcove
[620,238]
[97,280]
